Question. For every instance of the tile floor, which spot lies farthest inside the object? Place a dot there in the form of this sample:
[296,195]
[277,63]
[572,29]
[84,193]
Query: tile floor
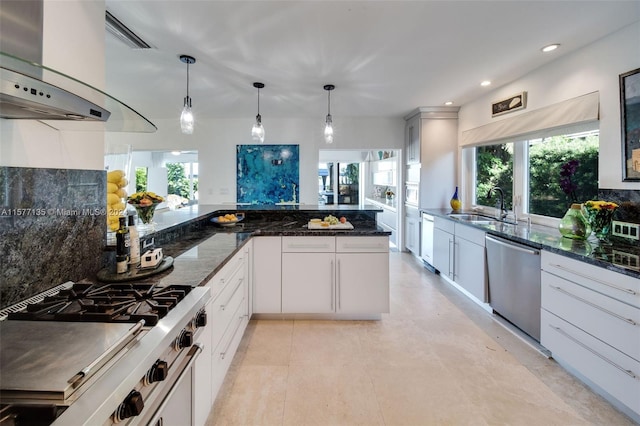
[436,359]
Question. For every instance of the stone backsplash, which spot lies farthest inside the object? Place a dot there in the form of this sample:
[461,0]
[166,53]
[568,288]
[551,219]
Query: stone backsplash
[627,199]
[52,228]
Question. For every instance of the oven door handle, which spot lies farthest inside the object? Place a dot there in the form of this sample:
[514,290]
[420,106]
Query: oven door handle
[195,350]
[133,331]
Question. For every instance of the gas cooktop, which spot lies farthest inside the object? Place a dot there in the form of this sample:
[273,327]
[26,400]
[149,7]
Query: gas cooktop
[122,302]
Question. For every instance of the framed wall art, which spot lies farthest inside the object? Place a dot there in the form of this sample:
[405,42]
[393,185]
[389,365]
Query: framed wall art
[630,124]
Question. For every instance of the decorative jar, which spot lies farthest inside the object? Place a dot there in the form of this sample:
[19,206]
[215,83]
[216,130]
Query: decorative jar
[455,202]
[600,214]
[574,224]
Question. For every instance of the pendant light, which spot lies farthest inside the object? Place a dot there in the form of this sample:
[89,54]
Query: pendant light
[328,127]
[186,118]
[257,131]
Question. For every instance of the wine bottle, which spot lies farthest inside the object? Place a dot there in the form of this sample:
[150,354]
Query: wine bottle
[123,243]
[134,248]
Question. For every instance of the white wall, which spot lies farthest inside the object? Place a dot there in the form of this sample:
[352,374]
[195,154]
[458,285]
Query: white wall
[71,45]
[593,68]
[216,140]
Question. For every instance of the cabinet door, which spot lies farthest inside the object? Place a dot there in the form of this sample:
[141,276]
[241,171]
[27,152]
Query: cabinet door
[442,252]
[412,140]
[470,271]
[267,275]
[362,283]
[308,283]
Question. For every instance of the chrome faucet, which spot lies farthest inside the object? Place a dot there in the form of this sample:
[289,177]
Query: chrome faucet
[503,210]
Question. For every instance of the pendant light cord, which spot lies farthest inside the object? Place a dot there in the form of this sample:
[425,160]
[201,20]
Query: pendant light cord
[329,97]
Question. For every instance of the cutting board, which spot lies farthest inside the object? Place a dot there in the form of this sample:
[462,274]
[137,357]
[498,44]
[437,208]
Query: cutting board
[315,225]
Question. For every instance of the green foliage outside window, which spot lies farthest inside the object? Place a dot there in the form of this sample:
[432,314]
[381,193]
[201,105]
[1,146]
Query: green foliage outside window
[178,182]
[546,197]
[141,179]
[494,167]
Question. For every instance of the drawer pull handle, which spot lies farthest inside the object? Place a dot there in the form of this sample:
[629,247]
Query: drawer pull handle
[224,305]
[224,353]
[626,290]
[602,357]
[225,279]
[593,305]
[332,275]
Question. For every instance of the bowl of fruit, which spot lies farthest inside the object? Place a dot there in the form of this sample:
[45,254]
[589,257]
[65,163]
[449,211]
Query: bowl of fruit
[229,219]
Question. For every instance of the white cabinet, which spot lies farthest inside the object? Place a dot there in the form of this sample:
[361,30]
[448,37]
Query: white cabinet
[412,140]
[267,275]
[469,264]
[347,275]
[438,148]
[591,322]
[443,253]
[459,255]
[227,318]
[412,225]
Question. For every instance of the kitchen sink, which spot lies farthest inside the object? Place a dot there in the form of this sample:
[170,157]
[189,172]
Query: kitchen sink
[473,218]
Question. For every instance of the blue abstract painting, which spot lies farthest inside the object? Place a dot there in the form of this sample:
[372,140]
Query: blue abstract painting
[267,174]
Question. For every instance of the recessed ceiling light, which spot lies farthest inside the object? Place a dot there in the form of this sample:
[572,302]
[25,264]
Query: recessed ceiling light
[485,83]
[550,47]
[448,103]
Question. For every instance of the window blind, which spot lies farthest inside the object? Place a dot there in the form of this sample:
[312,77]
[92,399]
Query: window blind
[573,112]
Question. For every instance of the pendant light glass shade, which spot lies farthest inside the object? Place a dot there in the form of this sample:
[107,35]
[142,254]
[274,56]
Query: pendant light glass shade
[257,131]
[328,126]
[186,118]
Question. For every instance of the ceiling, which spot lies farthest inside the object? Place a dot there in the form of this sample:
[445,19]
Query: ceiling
[385,57]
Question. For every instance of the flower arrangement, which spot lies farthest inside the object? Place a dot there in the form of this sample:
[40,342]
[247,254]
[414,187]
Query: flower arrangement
[599,214]
[145,204]
[567,170]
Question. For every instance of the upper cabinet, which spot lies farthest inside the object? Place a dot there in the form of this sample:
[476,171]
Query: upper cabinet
[412,140]
[436,131]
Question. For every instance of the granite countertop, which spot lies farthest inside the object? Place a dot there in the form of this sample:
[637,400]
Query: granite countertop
[201,248]
[621,255]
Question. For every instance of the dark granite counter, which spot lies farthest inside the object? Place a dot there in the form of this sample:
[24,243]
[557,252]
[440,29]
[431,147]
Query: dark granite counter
[201,248]
[620,255]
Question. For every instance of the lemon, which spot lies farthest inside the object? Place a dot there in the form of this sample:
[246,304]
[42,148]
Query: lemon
[113,198]
[114,176]
[111,187]
[122,193]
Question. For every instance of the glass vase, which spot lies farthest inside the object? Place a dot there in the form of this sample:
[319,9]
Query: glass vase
[600,219]
[145,212]
[574,224]
[455,202]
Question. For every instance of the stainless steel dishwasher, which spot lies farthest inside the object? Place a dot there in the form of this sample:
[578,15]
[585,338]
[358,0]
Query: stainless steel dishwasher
[514,283]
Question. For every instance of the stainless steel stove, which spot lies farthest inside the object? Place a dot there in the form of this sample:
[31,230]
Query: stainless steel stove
[96,354]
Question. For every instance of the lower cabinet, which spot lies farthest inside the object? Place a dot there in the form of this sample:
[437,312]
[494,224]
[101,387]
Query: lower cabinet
[591,323]
[227,318]
[459,255]
[412,224]
[347,275]
[267,275]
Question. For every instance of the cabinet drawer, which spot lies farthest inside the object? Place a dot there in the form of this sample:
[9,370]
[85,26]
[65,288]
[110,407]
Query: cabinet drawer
[607,319]
[362,244]
[608,368]
[308,244]
[228,273]
[223,308]
[226,349]
[444,224]
[470,233]
[610,283]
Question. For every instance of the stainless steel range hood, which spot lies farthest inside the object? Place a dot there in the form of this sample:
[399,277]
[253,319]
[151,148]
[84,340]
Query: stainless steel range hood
[24,97]
[60,101]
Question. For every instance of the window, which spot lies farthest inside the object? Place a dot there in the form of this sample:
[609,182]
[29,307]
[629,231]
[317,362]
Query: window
[541,176]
